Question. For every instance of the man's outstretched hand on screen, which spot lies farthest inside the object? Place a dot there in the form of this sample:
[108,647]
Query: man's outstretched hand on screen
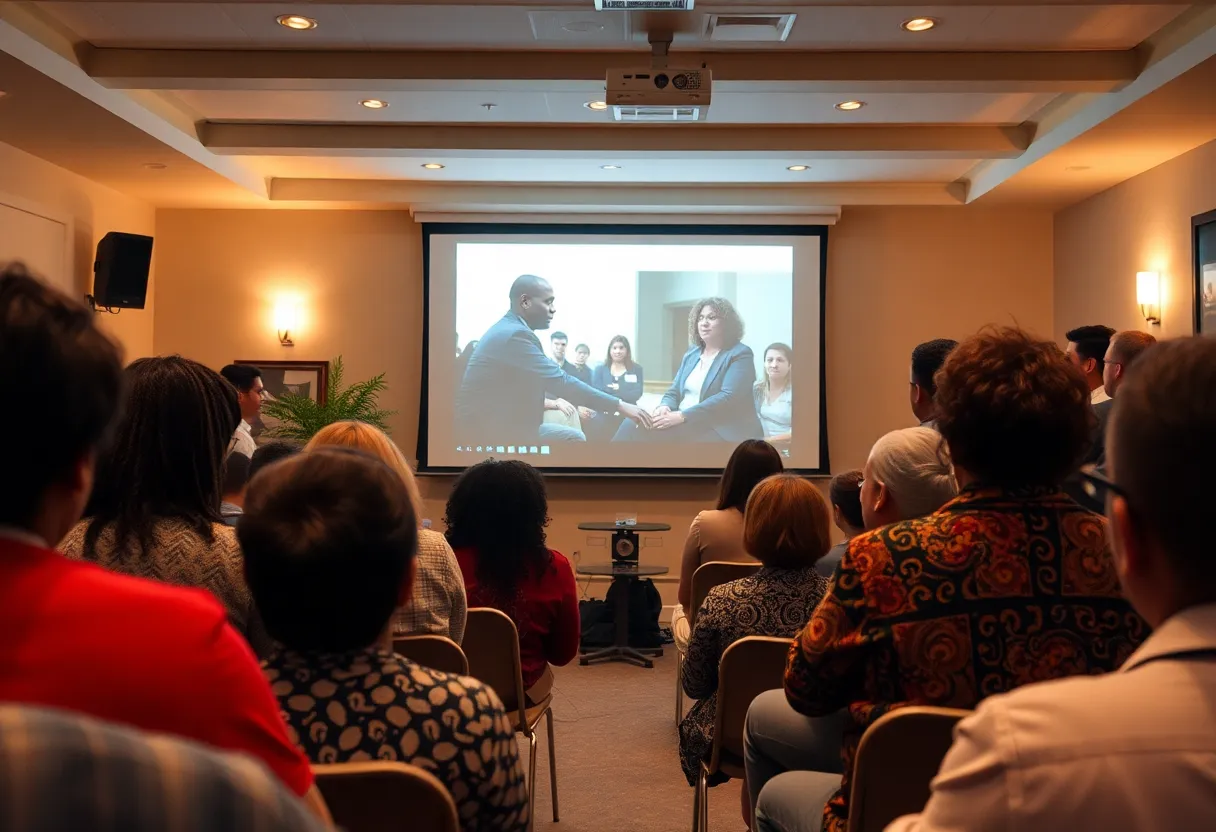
[634,413]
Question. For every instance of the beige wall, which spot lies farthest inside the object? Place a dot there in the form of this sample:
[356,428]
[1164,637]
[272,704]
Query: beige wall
[896,277]
[1143,224]
[93,210]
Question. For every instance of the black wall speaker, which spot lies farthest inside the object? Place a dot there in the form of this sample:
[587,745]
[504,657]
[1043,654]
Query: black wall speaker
[120,271]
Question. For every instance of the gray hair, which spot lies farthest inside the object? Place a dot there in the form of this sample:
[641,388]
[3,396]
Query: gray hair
[914,465]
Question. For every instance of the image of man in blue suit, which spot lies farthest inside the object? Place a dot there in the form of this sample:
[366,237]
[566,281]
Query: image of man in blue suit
[502,395]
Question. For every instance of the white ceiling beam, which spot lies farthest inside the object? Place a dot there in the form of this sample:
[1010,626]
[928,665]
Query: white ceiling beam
[704,7]
[373,71]
[638,199]
[1178,48]
[858,141]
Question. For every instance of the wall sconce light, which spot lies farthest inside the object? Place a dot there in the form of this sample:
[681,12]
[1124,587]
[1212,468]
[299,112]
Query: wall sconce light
[286,318]
[1148,295]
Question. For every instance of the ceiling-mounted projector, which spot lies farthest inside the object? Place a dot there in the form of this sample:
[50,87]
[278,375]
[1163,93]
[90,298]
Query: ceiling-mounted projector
[644,5]
[659,93]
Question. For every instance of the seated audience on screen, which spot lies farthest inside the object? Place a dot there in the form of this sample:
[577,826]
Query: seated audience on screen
[558,410]
[503,394]
[774,394]
[437,602]
[462,362]
[717,534]
[81,638]
[786,528]
[845,495]
[1087,346]
[496,518]
[271,453]
[247,379]
[711,397]
[62,771]
[329,537]
[578,367]
[155,509]
[1141,740]
[232,495]
[927,359]
[1011,582]
[619,376]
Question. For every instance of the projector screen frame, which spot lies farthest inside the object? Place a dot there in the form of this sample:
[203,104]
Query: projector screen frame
[618,229]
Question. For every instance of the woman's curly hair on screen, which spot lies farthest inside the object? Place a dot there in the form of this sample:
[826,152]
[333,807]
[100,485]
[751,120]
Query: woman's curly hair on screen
[732,324]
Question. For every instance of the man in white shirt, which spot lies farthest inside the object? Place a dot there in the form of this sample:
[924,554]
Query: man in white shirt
[1087,346]
[1134,749]
[247,380]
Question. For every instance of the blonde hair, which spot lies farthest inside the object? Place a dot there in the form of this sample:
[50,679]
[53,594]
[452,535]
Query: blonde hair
[371,440]
[786,523]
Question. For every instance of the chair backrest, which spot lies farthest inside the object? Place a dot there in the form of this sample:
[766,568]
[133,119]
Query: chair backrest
[897,758]
[433,651]
[748,668]
[709,575]
[491,644]
[386,797]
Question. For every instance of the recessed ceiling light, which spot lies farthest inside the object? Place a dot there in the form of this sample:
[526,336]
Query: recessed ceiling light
[296,21]
[433,166]
[154,166]
[610,167]
[596,105]
[373,104]
[850,105]
[797,168]
[918,24]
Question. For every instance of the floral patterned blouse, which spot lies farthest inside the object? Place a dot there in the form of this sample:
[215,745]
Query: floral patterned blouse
[997,589]
[376,705]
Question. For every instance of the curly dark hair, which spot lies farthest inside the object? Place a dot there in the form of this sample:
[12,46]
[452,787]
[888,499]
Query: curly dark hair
[1013,410]
[167,457]
[499,510]
[731,322]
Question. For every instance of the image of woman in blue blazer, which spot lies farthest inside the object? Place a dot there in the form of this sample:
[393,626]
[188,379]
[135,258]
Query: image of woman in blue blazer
[618,376]
[711,397]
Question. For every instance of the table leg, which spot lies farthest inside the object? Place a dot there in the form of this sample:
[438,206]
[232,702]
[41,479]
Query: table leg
[620,651]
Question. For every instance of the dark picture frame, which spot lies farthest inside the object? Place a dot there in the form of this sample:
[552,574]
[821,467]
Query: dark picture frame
[305,378]
[1203,254]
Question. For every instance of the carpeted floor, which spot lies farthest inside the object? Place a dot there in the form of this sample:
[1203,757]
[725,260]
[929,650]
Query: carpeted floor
[618,769]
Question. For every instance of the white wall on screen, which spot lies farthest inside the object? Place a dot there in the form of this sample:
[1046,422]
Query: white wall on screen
[764,303]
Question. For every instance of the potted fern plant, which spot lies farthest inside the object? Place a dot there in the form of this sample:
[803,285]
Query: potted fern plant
[299,417]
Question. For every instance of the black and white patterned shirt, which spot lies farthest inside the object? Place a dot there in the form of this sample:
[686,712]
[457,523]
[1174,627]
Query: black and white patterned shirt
[375,705]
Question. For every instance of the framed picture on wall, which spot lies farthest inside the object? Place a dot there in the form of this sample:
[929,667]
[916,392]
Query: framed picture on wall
[1203,236]
[302,378]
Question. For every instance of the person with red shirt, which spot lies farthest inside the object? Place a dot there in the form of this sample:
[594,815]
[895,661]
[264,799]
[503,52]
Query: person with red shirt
[77,637]
[496,520]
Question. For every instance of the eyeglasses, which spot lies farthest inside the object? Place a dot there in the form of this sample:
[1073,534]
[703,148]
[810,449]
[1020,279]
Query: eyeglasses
[1097,485]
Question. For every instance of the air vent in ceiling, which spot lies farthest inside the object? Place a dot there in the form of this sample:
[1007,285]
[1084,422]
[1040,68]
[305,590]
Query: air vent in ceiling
[651,113]
[749,28]
[644,5]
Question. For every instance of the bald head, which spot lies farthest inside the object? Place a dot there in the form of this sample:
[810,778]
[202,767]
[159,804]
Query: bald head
[532,299]
[1125,347]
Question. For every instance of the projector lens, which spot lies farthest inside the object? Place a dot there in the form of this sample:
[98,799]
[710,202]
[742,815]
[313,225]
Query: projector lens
[660,81]
[680,82]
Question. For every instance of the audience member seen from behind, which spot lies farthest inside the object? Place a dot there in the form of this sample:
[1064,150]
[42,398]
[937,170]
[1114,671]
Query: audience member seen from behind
[927,359]
[247,380]
[717,534]
[845,495]
[618,376]
[774,395]
[271,453]
[907,475]
[1011,582]
[437,602]
[786,528]
[329,539]
[496,520]
[62,771]
[155,509]
[232,495]
[78,637]
[1087,346]
[1124,348]
[710,399]
[1142,739]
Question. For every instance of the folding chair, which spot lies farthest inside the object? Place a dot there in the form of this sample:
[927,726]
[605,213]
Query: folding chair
[433,651]
[386,797]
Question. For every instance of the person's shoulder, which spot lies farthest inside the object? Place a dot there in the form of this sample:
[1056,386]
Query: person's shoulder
[421,678]
[740,350]
[559,559]
[432,541]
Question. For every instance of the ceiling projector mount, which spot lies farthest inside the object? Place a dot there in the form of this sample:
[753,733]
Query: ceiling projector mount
[659,93]
[644,5]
